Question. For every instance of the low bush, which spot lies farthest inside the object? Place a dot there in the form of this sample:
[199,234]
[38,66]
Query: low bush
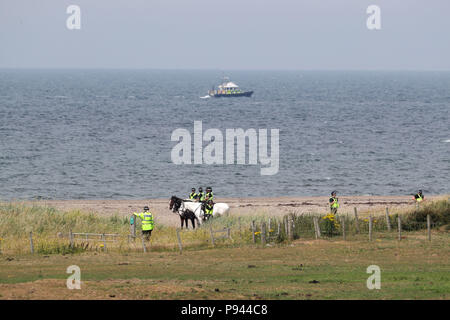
[439,212]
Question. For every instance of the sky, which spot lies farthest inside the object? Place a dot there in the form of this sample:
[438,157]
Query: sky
[226,35]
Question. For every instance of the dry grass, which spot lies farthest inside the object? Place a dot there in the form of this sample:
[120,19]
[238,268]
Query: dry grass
[18,219]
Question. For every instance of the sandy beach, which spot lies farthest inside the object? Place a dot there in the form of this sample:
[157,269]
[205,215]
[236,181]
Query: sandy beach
[241,206]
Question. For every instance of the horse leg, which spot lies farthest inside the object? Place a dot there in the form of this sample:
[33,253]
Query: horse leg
[193,222]
[182,222]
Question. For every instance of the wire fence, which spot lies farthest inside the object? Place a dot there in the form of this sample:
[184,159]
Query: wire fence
[261,233]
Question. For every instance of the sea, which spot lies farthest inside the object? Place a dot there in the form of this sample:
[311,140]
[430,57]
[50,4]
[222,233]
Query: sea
[106,134]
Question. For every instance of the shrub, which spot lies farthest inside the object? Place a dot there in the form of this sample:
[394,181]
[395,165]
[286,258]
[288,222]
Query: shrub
[56,247]
[439,212]
[330,224]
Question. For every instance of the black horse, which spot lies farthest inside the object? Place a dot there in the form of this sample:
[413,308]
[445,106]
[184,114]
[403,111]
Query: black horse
[185,215]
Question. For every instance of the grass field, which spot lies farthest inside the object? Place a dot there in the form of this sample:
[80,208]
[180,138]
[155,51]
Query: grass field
[413,268]
[410,269]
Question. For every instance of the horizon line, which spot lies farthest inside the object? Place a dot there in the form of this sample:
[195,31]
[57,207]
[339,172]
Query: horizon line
[224,70]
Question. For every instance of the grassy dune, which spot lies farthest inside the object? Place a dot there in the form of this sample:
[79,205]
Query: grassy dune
[18,220]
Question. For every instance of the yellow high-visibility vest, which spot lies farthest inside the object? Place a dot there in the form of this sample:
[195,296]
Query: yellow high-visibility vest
[147,220]
[335,203]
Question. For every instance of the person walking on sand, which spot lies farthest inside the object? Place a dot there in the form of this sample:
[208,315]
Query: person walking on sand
[334,204]
[147,222]
[419,197]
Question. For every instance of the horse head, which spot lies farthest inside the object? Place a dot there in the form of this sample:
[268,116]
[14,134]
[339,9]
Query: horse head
[174,203]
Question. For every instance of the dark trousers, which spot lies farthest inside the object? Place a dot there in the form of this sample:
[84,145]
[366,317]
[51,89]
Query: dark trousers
[146,234]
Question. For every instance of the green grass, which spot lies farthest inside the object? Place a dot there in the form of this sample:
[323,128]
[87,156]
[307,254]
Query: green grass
[410,269]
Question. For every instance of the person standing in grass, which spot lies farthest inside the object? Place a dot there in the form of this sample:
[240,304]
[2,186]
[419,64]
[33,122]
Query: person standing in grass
[147,222]
[334,204]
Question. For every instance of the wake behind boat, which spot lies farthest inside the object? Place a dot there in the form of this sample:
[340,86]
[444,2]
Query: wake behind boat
[228,89]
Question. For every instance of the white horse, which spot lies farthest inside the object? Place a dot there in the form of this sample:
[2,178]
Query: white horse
[220,209]
[181,205]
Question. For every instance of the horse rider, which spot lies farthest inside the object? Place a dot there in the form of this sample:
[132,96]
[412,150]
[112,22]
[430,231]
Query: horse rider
[147,222]
[193,196]
[209,202]
[419,197]
[334,204]
[209,205]
[200,194]
[209,194]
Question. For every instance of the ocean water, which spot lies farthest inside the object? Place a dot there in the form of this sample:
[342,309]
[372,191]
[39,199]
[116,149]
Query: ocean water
[106,134]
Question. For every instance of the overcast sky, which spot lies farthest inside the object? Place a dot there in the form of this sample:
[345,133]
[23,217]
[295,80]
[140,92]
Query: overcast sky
[231,34]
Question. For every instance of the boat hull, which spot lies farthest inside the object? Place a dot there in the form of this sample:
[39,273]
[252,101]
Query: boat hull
[241,94]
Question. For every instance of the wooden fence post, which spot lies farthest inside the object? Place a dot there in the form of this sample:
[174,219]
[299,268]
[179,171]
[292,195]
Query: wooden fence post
[286,229]
[263,234]
[133,227]
[288,225]
[104,242]
[370,228]
[240,233]
[356,219]
[316,227]
[292,228]
[253,231]
[71,238]
[278,228]
[31,242]
[388,221]
[429,226]
[179,241]
[229,233]
[270,225]
[399,221]
[343,227]
[212,236]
